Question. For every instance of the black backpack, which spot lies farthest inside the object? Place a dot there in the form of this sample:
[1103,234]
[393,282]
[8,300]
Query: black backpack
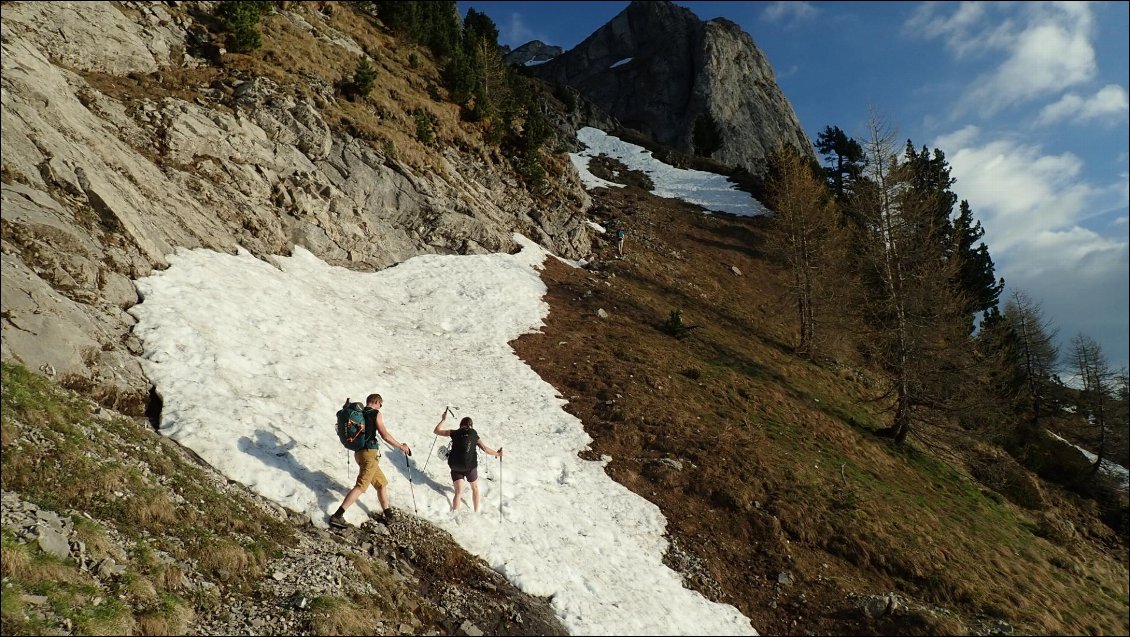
[463,455]
[351,426]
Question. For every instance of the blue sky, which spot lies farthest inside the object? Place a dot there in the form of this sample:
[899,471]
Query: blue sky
[1027,100]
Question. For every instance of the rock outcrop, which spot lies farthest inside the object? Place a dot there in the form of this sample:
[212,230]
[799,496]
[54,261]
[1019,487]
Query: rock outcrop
[657,68]
[532,53]
[99,185]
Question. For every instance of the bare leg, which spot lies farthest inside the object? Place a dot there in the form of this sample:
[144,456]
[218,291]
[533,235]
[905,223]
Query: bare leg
[458,495]
[475,494]
[351,497]
[382,495]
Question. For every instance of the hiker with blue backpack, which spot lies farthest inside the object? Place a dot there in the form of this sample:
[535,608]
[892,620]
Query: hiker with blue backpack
[462,459]
[358,427]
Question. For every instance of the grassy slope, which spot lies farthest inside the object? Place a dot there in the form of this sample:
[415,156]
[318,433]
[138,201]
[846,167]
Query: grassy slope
[137,498]
[781,473]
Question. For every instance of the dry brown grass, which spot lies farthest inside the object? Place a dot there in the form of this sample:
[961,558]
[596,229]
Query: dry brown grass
[98,544]
[15,562]
[786,473]
[119,622]
[139,590]
[9,433]
[337,616]
[172,618]
[169,577]
[151,509]
[229,562]
[385,114]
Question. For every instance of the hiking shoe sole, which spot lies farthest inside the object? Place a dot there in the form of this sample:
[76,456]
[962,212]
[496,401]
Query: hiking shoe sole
[338,523]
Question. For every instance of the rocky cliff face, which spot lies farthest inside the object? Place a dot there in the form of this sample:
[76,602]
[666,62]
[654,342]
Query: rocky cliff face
[657,67]
[122,143]
[534,51]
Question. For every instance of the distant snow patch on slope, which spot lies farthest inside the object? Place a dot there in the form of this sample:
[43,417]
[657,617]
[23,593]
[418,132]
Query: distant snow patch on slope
[712,191]
[1114,470]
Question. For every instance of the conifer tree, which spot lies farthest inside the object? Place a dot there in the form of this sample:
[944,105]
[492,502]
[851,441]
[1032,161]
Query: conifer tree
[1029,350]
[846,156]
[707,136]
[976,277]
[909,303]
[240,18]
[806,235]
[1094,373]
[363,78]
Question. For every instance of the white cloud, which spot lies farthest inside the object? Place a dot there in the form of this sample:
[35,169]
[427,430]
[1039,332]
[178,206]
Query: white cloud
[1032,206]
[1047,48]
[788,12]
[958,29]
[1016,190]
[516,33]
[1082,281]
[1109,103]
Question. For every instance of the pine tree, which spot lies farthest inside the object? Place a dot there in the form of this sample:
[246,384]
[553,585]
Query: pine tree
[846,156]
[363,78]
[931,186]
[976,278]
[707,136]
[240,18]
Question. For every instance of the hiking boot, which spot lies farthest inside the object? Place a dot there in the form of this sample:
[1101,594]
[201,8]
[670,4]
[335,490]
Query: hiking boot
[338,522]
[390,514]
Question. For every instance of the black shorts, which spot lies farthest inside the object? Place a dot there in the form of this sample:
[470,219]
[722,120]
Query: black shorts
[469,475]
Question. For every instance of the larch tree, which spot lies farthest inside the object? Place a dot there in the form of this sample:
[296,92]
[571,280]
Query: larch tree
[1030,353]
[1093,372]
[909,302]
[806,235]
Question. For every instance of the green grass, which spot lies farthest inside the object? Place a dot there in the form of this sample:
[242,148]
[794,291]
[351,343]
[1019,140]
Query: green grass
[59,455]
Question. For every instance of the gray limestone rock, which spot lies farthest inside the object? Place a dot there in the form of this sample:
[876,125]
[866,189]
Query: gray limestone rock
[657,68]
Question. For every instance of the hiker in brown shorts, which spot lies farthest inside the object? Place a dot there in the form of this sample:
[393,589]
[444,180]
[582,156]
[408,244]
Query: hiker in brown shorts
[368,459]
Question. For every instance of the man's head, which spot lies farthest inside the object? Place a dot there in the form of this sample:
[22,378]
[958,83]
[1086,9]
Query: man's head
[375,401]
[466,423]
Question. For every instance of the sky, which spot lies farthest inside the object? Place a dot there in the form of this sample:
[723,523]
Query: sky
[255,393]
[1028,101]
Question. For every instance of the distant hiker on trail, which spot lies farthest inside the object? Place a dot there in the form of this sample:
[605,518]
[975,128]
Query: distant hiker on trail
[368,459]
[620,241]
[462,458]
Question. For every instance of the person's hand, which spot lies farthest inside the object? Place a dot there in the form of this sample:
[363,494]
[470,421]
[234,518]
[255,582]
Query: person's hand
[499,454]
[405,448]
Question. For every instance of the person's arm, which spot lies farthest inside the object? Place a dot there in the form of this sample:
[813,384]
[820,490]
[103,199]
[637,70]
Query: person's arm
[388,437]
[442,432]
[488,450]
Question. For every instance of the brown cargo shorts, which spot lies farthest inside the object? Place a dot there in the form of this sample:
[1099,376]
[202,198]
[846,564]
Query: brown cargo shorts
[369,461]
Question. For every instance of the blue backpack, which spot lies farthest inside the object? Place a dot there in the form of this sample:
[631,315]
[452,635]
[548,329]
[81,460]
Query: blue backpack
[351,426]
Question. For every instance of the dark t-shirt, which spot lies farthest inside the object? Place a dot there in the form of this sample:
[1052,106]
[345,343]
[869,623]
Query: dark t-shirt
[463,456]
[372,436]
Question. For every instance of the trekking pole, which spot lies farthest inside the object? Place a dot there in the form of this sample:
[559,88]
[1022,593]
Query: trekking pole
[500,485]
[446,410]
[410,485]
[430,454]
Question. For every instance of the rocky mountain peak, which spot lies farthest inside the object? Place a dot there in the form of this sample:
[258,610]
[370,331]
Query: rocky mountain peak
[658,68]
[532,52]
